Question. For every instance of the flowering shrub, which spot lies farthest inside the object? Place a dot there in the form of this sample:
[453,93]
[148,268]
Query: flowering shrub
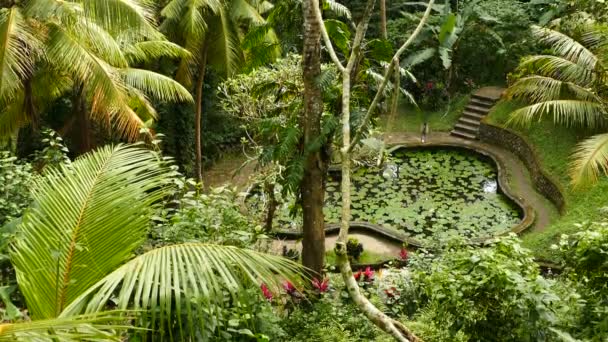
[321,286]
[266,292]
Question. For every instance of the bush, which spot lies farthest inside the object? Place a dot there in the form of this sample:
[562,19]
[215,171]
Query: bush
[213,217]
[15,184]
[495,293]
[330,320]
[585,256]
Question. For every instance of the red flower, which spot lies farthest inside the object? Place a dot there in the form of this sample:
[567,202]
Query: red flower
[357,275]
[369,273]
[429,85]
[266,292]
[403,254]
[391,292]
[289,288]
[321,286]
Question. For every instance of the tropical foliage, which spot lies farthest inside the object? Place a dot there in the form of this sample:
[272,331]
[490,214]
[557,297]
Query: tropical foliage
[107,108]
[567,84]
[89,52]
[102,204]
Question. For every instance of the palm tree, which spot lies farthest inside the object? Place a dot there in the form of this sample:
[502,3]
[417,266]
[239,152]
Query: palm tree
[212,30]
[51,49]
[570,85]
[74,247]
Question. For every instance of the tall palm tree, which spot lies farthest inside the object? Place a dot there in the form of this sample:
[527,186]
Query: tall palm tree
[50,48]
[212,31]
[570,84]
[74,247]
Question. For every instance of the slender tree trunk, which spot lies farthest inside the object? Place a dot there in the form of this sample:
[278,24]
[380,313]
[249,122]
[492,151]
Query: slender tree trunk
[312,186]
[383,19]
[396,329]
[79,112]
[198,163]
[272,206]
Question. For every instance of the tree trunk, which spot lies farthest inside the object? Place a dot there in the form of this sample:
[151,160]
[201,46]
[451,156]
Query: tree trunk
[79,112]
[397,330]
[312,186]
[272,206]
[198,163]
[383,19]
[28,104]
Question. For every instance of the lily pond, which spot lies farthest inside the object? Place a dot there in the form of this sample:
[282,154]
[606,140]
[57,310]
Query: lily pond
[426,193]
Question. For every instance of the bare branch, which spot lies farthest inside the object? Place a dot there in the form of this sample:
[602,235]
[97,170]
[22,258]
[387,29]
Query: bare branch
[330,48]
[359,35]
[394,63]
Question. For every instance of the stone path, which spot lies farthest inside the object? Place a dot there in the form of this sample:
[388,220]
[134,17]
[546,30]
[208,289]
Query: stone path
[517,173]
[373,243]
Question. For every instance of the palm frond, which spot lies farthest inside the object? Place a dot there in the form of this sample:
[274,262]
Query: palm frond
[152,50]
[566,47]
[540,88]
[99,41]
[13,116]
[19,48]
[86,220]
[558,68]
[118,15]
[162,87]
[242,10]
[590,160]
[105,326]
[337,8]
[564,112]
[183,280]
[224,45]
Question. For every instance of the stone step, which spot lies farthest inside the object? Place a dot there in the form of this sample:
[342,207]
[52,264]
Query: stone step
[467,128]
[481,103]
[469,121]
[476,109]
[482,98]
[464,135]
[473,116]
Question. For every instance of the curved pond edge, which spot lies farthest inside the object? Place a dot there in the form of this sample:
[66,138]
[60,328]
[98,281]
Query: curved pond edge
[517,144]
[527,211]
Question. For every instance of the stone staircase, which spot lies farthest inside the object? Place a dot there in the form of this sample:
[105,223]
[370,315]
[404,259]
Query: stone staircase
[479,106]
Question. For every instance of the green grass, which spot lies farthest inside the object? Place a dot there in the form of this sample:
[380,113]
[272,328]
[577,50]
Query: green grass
[366,257]
[410,119]
[554,145]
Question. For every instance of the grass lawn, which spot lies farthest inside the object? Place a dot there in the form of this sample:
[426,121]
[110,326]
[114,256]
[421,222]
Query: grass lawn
[410,119]
[554,145]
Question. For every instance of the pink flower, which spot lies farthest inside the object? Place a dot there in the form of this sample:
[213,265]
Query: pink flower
[369,273]
[321,286]
[267,293]
[289,288]
[403,254]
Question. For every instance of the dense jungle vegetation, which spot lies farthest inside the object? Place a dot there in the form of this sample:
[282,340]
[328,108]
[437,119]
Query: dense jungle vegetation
[206,170]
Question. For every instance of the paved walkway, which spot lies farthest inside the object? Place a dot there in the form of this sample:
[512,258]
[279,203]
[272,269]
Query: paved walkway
[517,173]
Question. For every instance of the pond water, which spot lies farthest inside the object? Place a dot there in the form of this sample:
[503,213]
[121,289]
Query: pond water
[426,193]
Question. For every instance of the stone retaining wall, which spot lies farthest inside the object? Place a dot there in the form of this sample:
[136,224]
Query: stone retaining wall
[517,144]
